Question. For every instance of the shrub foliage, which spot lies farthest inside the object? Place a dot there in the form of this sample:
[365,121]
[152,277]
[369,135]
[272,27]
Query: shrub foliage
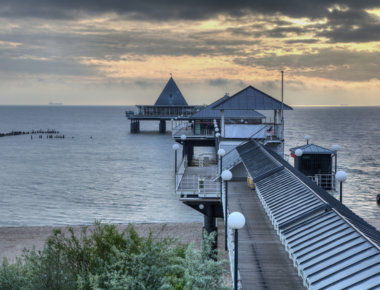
[104,258]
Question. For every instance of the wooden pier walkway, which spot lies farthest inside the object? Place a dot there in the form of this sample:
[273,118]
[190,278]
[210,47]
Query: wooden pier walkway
[263,261]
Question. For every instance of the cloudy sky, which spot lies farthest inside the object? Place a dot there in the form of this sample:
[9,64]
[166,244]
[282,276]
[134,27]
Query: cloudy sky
[92,52]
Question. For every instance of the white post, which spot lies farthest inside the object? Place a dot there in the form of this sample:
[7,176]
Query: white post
[222,122]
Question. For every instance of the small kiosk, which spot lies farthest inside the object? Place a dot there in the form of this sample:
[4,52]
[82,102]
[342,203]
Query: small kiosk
[316,163]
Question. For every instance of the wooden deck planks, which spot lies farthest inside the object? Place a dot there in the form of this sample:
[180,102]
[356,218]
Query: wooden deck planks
[263,261]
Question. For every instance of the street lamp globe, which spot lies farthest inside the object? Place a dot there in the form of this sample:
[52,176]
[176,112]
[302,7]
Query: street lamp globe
[183,137]
[299,152]
[307,138]
[226,175]
[217,135]
[341,176]
[335,147]
[175,147]
[236,220]
[221,152]
[217,129]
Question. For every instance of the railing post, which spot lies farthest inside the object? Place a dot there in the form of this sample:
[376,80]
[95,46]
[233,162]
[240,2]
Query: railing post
[175,171]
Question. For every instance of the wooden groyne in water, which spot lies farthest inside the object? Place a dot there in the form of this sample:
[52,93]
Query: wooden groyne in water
[16,133]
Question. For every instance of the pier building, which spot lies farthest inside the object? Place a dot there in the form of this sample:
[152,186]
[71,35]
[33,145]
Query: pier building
[297,235]
[170,105]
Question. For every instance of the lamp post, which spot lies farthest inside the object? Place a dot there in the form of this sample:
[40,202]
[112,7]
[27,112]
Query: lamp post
[221,153]
[341,176]
[336,149]
[307,138]
[236,221]
[298,153]
[175,148]
[226,176]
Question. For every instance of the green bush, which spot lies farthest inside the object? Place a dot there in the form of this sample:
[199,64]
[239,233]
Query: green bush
[104,258]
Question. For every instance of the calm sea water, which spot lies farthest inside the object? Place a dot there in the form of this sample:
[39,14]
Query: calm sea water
[120,177]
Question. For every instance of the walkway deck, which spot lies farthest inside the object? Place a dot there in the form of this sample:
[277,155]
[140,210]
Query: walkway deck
[189,182]
[263,262]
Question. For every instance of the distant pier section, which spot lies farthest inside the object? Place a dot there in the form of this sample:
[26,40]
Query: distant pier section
[170,105]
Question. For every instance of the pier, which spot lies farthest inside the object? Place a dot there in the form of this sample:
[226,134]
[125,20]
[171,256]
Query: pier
[170,106]
[296,235]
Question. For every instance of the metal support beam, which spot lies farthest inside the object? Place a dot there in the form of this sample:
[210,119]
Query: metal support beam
[222,123]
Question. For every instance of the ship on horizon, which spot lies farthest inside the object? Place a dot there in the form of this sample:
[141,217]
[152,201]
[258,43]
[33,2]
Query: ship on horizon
[55,104]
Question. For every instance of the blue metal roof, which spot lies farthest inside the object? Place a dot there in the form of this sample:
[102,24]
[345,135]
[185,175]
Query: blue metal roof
[331,246]
[209,113]
[312,149]
[250,99]
[171,95]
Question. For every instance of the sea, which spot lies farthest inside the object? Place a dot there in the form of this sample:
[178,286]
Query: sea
[100,171]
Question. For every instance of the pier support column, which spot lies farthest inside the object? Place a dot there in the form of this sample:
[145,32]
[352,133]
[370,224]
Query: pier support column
[162,126]
[135,126]
[210,225]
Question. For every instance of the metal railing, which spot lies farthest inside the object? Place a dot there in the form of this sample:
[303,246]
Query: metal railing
[178,127]
[205,159]
[207,187]
[190,132]
[180,172]
[201,186]
[230,242]
[326,181]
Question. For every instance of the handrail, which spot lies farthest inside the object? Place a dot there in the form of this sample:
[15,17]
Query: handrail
[180,172]
[177,128]
[230,242]
[324,180]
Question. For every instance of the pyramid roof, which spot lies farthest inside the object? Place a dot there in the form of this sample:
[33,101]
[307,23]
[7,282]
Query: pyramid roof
[171,95]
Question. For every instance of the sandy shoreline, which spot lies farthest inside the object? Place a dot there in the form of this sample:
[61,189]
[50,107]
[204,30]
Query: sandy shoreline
[14,240]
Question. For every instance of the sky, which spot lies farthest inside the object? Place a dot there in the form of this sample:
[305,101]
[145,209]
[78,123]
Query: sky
[123,52]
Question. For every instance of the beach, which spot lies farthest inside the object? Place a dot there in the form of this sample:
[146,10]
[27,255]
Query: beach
[14,239]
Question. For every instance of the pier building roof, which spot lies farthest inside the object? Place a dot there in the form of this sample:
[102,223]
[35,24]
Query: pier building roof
[332,247]
[250,98]
[209,113]
[312,149]
[171,95]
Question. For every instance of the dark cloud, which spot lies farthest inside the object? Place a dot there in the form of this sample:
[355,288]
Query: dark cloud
[226,82]
[351,26]
[336,64]
[173,9]
[311,40]
[32,66]
[218,82]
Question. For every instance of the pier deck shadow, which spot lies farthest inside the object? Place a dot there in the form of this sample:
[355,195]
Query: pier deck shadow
[263,261]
